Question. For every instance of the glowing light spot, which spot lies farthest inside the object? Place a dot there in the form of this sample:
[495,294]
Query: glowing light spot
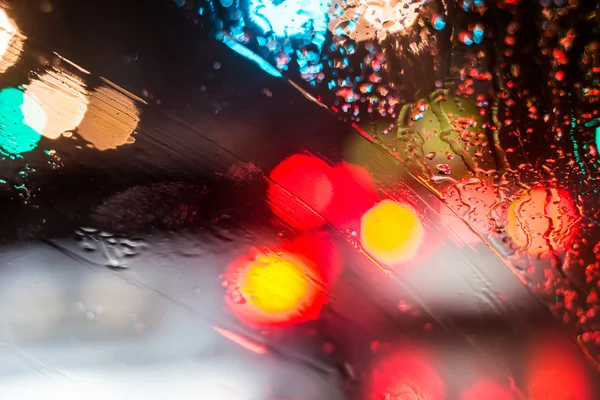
[391,232]
[250,55]
[598,138]
[365,20]
[291,18]
[466,38]
[408,373]
[11,44]
[353,194]
[543,220]
[554,371]
[111,118]
[487,389]
[300,190]
[478,33]
[274,284]
[21,120]
[438,22]
[274,289]
[62,97]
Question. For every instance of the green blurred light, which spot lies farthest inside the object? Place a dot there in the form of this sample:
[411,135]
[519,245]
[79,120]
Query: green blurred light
[21,121]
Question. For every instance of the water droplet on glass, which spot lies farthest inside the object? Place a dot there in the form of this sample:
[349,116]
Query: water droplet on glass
[443,169]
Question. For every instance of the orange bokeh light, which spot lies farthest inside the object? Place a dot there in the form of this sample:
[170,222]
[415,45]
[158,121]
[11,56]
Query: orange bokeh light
[543,220]
[391,232]
[275,288]
[63,98]
[111,118]
[300,190]
[487,389]
[555,371]
[408,373]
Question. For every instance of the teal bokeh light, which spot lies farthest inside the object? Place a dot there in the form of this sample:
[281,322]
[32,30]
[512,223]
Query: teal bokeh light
[21,121]
[292,18]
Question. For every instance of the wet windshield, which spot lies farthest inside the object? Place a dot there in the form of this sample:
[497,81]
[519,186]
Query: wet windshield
[347,199]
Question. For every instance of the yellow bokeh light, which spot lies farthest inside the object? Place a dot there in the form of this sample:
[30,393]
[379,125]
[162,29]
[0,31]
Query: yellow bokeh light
[275,284]
[391,232]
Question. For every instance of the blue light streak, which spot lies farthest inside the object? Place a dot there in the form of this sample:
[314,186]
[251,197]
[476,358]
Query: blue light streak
[250,55]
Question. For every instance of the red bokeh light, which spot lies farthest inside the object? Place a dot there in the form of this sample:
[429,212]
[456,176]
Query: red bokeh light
[318,251]
[284,286]
[408,373]
[354,194]
[305,178]
[554,371]
[305,192]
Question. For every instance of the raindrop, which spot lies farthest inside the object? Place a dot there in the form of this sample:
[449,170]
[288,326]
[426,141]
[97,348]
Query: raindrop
[442,169]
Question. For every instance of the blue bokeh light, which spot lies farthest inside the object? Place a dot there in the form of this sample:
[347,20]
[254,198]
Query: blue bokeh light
[478,35]
[291,18]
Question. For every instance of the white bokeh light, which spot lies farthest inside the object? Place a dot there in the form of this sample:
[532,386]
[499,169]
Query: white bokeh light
[11,43]
[373,19]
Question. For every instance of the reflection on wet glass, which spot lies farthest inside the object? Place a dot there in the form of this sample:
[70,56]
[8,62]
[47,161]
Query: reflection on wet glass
[22,120]
[472,200]
[63,98]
